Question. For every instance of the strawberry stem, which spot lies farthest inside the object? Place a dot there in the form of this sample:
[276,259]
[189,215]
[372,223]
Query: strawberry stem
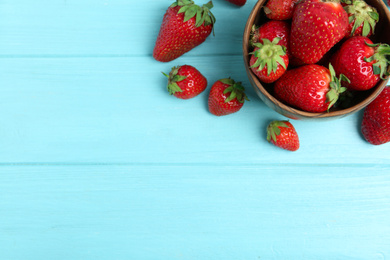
[202,15]
[273,129]
[362,14]
[173,77]
[269,54]
[381,58]
[335,87]
[235,89]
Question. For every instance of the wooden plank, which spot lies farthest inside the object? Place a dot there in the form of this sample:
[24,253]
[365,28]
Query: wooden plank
[117,111]
[194,212]
[104,28]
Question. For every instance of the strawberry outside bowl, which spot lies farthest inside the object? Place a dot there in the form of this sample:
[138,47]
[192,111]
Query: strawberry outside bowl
[265,91]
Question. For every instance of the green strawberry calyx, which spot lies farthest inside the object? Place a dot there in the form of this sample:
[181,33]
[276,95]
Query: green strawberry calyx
[347,2]
[173,78]
[335,87]
[381,59]
[362,14]
[269,54]
[202,14]
[273,129]
[254,35]
[235,89]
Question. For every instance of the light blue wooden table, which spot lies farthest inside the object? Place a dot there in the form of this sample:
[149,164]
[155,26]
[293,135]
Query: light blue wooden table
[99,162]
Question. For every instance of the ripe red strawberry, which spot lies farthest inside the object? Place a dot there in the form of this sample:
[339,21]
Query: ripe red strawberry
[362,62]
[226,97]
[185,25]
[185,82]
[362,18]
[283,135]
[269,60]
[270,30]
[312,88]
[376,119]
[237,2]
[316,27]
[279,9]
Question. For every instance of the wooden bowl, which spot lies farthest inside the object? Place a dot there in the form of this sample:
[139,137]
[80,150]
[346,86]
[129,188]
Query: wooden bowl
[361,100]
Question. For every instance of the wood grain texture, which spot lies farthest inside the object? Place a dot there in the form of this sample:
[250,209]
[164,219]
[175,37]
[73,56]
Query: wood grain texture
[99,162]
[104,27]
[194,212]
[105,110]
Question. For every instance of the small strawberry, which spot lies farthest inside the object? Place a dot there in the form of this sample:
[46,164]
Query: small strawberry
[283,135]
[317,25]
[312,88]
[226,97]
[269,60]
[279,9]
[270,30]
[185,25]
[237,2]
[362,62]
[375,126]
[362,18]
[185,82]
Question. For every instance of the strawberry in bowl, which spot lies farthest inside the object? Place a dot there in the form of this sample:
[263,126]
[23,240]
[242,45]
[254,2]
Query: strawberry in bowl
[318,30]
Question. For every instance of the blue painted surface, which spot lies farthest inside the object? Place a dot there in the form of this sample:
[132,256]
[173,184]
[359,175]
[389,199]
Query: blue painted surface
[99,162]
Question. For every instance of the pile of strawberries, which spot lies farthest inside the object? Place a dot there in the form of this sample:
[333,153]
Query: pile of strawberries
[186,25]
[315,51]
[302,39]
[290,51]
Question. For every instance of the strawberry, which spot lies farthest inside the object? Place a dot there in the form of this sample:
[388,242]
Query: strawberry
[362,18]
[375,125]
[312,88]
[226,97]
[283,135]
[269,60]
[316,27]
[270,30]
[279,9]
[362,62]
[185,82]
[185,25]
[237,2]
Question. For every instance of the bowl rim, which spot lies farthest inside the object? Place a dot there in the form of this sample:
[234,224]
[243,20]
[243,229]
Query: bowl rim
[284,107]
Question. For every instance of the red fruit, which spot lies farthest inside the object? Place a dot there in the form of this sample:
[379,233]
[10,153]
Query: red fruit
[271,30]
[279,9]
[312,88]
[226,97]
[316,27]
[362,18]
[185,25]
[376,119]
[185,82]
[283,135]
[362,62]
[237,2]
[269,60]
